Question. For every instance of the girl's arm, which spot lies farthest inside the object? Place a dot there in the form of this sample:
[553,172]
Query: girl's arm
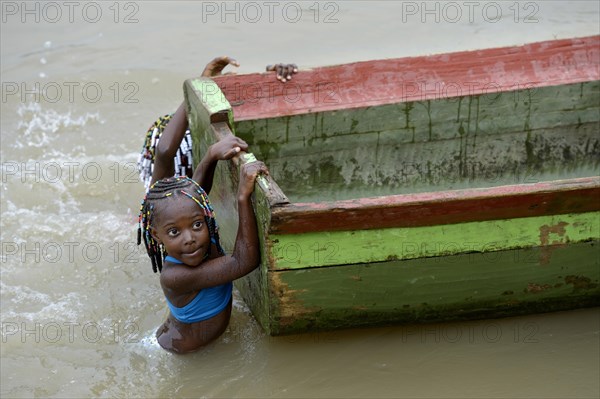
[170,139]
[175,130]
[222,150]
[168,144]
[246,252]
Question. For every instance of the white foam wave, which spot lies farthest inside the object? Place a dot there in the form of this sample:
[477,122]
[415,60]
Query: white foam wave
[37,125]
[65,307]
[102,227]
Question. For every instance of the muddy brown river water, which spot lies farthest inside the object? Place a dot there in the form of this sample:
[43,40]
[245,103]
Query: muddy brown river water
[82,81]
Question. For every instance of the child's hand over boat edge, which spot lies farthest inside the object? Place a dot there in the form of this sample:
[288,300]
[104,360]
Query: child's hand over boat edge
[248,175]
[284,71]
[216,66]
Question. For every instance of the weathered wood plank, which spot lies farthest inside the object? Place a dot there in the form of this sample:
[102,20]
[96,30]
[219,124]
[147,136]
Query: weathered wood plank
[473,285]
[380,168]
[442,119]
[441,207]
[548,140]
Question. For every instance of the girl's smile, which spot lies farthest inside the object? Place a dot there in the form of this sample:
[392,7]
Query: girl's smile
[182,230]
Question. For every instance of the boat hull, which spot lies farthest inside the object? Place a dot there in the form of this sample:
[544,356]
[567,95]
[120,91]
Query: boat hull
[390,207]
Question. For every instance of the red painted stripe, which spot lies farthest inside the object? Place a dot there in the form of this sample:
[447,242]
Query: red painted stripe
[438,208]
[361,84]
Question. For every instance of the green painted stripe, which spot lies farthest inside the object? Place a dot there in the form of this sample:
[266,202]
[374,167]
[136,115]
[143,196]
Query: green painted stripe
[299,251]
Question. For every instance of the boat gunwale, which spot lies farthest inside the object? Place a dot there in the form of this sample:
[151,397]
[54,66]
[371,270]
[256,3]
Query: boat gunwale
[439,207]
[355,82]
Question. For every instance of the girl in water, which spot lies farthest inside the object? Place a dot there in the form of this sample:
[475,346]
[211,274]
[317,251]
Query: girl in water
[179,231]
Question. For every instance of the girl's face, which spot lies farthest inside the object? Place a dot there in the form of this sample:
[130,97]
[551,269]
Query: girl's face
[180,226]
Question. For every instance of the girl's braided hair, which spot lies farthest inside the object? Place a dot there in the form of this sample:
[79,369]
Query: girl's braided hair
[173,186]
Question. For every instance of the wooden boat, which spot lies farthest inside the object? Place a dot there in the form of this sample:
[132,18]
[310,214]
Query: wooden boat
[441,187]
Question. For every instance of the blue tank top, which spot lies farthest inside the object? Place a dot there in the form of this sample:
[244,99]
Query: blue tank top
[208,303]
